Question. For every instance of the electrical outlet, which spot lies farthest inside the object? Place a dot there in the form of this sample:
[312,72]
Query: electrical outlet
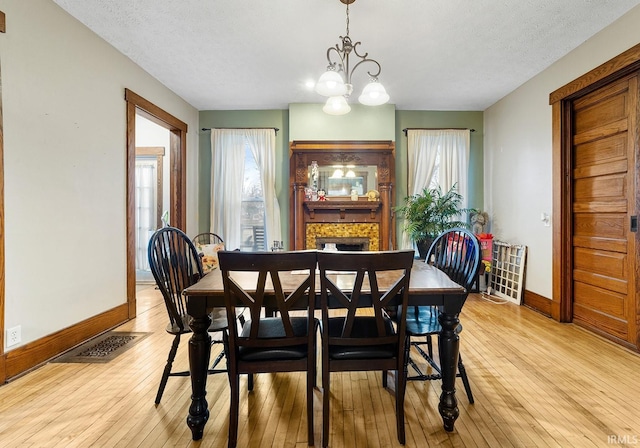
[13,336]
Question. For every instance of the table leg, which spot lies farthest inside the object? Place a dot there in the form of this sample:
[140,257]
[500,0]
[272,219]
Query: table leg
[449,349]
[199,353]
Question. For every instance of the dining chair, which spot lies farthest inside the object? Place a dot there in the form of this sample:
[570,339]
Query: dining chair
[207,238]
[208,245]
[176,265]
[283,342]
[363,340]
[456,252]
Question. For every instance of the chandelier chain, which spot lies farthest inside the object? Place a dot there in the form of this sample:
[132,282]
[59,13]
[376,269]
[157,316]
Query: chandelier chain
[347,19]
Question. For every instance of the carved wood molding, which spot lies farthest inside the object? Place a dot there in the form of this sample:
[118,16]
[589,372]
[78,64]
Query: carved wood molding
[338,152]
[342,207]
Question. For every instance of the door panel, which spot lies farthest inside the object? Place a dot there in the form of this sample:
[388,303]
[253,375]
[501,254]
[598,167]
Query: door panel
[601,113]
[610,187]
[600,132]
[606,264]
[603,199]
[601,323]
[594,297]
[600,230]
[600,151]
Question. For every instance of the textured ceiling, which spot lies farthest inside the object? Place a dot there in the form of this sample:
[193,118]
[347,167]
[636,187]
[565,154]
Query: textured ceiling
[257,54]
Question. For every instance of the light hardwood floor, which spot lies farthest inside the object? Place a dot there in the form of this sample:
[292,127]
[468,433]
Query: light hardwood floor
[536,383]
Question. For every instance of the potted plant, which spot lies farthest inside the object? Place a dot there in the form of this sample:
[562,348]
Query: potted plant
[428,214]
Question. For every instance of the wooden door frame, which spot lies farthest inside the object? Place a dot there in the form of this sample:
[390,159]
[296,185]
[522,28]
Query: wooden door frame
[560,100]
[177,177]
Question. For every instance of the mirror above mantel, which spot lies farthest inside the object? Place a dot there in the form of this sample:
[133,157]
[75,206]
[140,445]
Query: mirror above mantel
[341,168]
[339,180]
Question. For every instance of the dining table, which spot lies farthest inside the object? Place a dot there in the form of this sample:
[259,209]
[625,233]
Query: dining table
[428,286]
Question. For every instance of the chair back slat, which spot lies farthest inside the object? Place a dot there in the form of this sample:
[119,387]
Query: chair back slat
[263,271]
[175,265]
[456,252]
[369,268]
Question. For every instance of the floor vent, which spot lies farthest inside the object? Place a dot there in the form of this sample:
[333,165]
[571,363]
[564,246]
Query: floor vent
[103,348]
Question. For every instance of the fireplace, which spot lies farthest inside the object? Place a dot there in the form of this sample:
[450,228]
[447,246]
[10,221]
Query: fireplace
[343,243]
[365,234]
[365,219]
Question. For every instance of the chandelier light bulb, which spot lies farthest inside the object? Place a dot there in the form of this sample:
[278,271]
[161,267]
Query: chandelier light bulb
[336,105]
[331,84]
[373,94]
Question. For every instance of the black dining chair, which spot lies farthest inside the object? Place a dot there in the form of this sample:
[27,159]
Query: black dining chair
[283,342]
[357,342]
[457,253]
[207,238]
[208,244]
[176,265]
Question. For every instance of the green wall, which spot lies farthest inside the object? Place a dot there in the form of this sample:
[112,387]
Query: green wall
[243,119]
[447,120]
[280,119]
[309,122]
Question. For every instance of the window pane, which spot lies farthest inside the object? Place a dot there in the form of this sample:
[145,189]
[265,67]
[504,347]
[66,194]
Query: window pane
[252,206]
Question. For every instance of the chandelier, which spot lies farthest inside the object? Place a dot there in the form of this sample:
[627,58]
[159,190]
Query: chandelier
[336,81]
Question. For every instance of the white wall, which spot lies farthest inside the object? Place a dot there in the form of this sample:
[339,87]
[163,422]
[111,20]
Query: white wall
[517,149]
[64,174]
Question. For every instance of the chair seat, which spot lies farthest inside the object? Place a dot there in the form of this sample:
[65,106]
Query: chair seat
[272,328]
[423,320]
[218,322]
[364,327]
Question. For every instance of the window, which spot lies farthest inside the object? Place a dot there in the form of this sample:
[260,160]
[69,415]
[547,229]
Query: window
[437,157]
[244,207]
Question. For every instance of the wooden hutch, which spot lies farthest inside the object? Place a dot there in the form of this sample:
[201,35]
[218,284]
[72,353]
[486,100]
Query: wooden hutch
[340,218]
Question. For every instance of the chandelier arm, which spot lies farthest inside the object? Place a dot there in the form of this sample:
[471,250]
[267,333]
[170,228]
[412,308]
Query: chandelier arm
[338,66]
[355,51]
[372,75]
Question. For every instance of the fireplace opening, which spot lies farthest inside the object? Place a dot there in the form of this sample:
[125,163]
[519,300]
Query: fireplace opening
[343,243]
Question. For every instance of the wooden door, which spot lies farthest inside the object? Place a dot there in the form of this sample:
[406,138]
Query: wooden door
[603,204]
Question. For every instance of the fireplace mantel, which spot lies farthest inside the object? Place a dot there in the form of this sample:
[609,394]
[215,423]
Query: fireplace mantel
[341,207]
[341,216]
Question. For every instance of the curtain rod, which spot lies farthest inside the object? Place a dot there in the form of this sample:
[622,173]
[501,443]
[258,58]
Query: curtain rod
[208,129]
[435,129]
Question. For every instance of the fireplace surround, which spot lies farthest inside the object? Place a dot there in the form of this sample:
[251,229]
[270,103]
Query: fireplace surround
[340,216]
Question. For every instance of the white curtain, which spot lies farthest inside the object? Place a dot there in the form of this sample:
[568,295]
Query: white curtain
[448,147]
[454,160]
[263,147]
[227,166]
[228,155]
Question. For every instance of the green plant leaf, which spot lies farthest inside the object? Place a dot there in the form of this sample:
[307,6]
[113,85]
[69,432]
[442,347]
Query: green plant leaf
[431,212]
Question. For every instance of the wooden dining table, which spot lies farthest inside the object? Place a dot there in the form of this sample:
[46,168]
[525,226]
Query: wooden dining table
[428,286]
